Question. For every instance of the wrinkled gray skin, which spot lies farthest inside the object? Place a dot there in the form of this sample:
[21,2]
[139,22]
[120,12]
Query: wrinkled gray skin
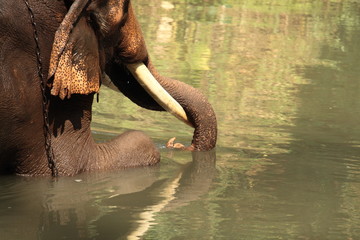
[109,27]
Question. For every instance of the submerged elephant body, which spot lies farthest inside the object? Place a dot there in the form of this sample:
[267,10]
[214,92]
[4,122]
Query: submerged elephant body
[80,42]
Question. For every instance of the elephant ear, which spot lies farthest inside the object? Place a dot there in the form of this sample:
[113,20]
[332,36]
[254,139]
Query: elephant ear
[74,61]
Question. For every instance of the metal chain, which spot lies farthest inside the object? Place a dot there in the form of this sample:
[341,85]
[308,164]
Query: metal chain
[45,99]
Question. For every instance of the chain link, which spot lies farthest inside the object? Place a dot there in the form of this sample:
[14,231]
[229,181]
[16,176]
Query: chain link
[45,99]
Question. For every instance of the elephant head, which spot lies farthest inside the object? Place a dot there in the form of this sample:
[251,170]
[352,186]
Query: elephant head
[98,39]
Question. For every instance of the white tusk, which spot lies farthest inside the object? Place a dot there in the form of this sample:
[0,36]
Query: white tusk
[157,92]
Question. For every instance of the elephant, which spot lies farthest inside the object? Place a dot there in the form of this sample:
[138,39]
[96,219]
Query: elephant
[54,57]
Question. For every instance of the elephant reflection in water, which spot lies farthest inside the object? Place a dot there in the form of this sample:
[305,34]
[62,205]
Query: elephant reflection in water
[103,206]
[82,43]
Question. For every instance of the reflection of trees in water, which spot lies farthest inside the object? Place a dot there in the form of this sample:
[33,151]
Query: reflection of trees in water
[314,187]
[327,127]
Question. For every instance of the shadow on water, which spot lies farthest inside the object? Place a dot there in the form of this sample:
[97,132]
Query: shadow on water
[113,205]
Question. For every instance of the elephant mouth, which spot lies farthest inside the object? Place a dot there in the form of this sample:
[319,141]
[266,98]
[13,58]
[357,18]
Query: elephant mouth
[145,78]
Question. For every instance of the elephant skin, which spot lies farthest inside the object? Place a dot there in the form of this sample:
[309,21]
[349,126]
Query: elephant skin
[80,41]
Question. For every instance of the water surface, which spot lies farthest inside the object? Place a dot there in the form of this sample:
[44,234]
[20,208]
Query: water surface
[283,78]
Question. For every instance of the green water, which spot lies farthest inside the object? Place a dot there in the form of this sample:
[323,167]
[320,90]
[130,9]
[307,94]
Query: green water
[283,78]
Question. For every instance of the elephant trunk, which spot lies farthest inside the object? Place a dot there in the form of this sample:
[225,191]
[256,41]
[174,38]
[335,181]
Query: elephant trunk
[197,108]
